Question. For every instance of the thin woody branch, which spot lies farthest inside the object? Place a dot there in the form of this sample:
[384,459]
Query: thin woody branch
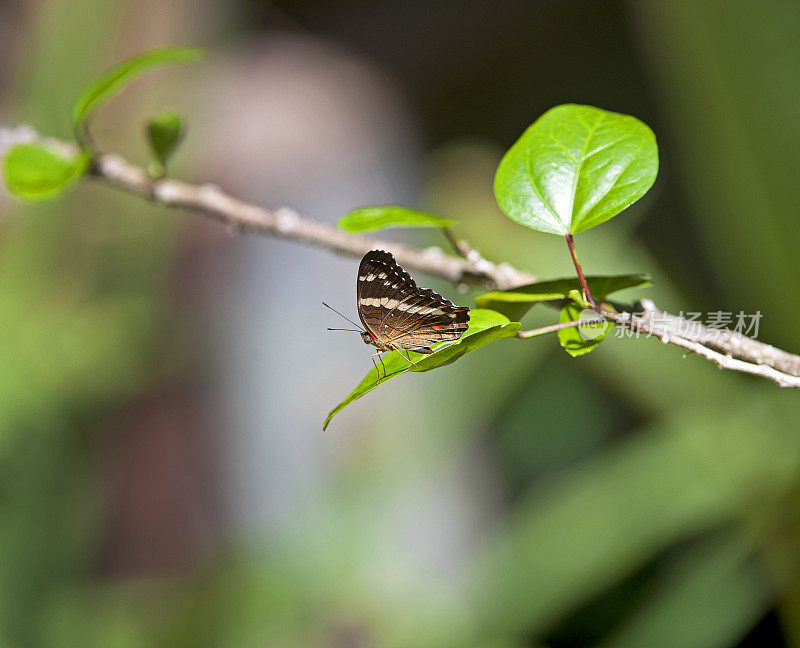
[210,200]
[286,223]
[724,340]
[728,349]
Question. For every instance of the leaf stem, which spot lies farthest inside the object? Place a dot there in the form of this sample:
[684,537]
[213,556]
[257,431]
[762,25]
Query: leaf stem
[587,293]
[85,140]
[457,246]
[558,327]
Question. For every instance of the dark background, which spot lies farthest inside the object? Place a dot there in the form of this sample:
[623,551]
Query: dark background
[164,480]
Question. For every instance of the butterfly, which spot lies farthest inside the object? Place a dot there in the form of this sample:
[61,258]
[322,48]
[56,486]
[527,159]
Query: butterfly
[396,314]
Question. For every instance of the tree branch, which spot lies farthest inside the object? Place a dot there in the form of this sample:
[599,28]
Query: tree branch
[728,349]
[286,223]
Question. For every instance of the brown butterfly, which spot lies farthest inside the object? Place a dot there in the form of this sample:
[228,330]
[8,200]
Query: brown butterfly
[397,314]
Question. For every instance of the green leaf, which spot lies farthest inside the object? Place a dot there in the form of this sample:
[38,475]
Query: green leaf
[579,340]
[577,297]
[164,131]
[516,302]
[367,219]
[576,167]
[484,326]
[108,84]
[34,172]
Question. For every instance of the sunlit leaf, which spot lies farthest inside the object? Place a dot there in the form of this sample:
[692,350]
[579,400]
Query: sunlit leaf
[484,326]
[34,172]
[576,167]
[516,302]
[367,219]
[579,340]
[164,131]
[109,83]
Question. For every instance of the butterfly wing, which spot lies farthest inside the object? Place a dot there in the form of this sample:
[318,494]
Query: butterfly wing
[397,313]
[382,286]
[427,318]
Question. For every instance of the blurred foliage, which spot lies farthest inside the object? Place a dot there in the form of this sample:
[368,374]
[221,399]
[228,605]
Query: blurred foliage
[164,132]
[368,219]
[645,500]
[81,287]
[102,88]
[34,172]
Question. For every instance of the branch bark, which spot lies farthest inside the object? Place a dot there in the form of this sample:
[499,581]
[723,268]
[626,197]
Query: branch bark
[728,349]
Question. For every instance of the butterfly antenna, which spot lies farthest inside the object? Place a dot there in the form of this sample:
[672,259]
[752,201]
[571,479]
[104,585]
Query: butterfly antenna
[338,329]
[340,315]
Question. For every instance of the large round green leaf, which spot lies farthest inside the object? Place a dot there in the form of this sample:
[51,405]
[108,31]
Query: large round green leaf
[576,167]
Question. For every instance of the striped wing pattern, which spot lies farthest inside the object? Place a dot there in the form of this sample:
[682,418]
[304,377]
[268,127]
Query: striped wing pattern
[398,314]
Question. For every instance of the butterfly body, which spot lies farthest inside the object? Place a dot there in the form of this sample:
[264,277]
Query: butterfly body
[397,314]
[368,339]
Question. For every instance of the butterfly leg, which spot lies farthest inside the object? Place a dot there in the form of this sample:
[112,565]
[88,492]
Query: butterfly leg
[375,364]
[380,357]
[407,357]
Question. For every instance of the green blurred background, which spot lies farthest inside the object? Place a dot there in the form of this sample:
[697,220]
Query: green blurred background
[164,480]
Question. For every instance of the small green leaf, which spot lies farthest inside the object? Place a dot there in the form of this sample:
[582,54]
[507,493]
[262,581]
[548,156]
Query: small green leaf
[579,340]
[108,84]
[484,326]
[164,131]
[34,172]
[368,219]
[576,167]
[516,302]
